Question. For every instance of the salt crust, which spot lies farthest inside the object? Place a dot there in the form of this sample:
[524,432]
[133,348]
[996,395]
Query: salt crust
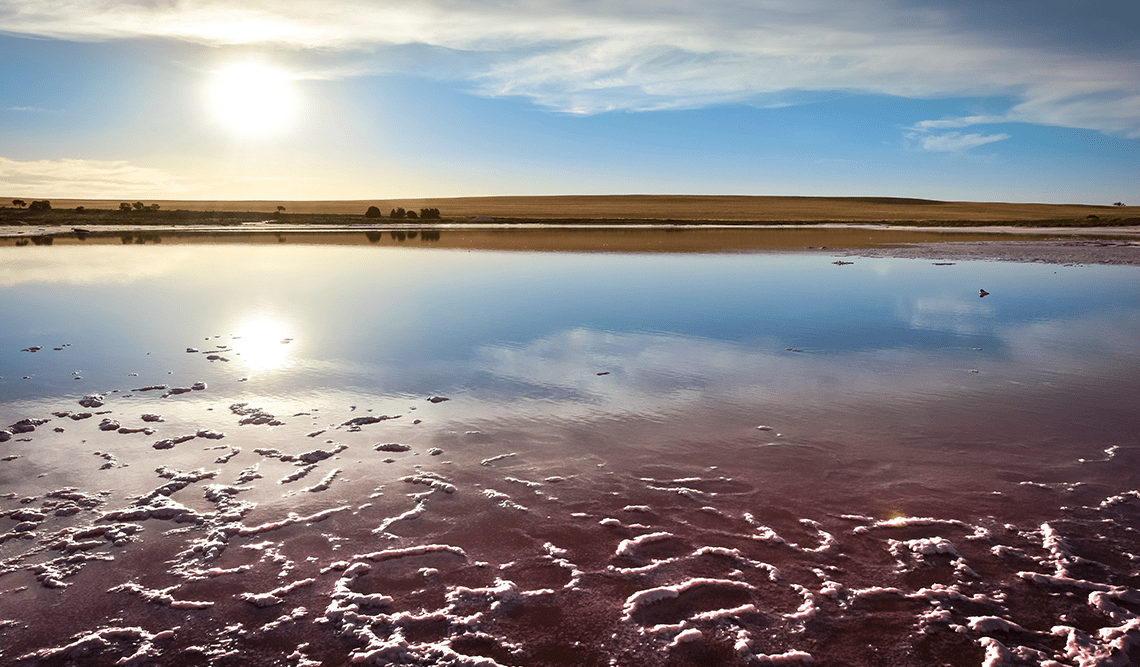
[1104,646]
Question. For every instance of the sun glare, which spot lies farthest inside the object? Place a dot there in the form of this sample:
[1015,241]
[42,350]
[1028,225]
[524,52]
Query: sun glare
[263,344]
[252,99]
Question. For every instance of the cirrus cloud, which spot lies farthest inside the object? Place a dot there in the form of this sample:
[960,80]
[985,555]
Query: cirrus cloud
[594,56]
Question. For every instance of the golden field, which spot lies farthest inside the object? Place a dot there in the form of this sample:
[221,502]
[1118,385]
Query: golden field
[686,208]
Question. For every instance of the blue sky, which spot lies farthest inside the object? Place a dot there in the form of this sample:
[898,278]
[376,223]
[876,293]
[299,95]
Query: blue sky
[963,100]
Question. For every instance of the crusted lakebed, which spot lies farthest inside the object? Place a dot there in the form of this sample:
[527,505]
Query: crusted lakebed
[323,454]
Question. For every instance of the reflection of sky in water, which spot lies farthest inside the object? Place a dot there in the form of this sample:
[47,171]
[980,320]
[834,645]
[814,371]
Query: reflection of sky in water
[518,329]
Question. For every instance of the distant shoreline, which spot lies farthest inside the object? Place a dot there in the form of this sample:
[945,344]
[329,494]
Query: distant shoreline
[583,210]
[1053,245]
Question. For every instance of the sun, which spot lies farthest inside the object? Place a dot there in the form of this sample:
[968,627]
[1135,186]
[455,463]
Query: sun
[252,99]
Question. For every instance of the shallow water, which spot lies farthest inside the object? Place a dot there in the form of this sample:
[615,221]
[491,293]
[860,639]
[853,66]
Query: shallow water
[932,466]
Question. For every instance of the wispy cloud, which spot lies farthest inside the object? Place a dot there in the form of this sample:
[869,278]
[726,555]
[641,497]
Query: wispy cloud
[956,142]
[950,123]
[83,179]
[593,56]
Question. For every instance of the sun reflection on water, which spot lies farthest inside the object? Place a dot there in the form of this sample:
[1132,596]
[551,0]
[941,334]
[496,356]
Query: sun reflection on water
[263,344]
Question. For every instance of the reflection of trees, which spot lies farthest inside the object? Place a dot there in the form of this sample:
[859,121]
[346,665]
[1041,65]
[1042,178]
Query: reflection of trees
[140,238]
[373,237]
[42,240]
[411,235]
[398,235]
[430,235]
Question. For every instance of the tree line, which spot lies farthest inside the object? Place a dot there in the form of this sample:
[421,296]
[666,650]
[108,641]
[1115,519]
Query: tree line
[424,214]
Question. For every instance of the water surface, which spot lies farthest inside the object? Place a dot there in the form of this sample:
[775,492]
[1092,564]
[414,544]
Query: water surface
[644,458]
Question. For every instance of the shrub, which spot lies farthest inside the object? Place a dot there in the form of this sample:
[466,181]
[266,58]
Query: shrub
[19,203]
[372,212]
[412,215]
[44,205]
[429,213]
[398,213]
[125,207]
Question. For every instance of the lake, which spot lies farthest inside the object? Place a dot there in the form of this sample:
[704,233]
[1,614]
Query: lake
[472,449]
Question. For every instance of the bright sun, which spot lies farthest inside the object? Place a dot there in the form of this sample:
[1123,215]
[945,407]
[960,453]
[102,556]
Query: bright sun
[253,99]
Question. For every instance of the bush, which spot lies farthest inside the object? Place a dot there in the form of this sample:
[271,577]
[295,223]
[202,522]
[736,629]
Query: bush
[19,203]
[398,213]
[429,213]
[412,215]
[125,207]
[44,205]
[372,212]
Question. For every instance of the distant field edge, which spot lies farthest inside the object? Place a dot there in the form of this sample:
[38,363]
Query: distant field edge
[599,209]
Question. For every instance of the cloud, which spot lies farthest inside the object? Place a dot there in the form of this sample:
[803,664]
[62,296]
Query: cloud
[82,179]
[956,142]
[593,56]
[948,123]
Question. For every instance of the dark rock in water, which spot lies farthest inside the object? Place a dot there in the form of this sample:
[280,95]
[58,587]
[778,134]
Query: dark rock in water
[58,429]
[109,425]
[210,435]
[5,436]
[369,419]
[391,447]
[177,390]
[842,263]
[604,373]
[80,415]
[435,451]
[191,350]
[198,386]
[92,401]
[27,425]
[34,348]
[151,418]
[982,293]
[438,399]
[153,387]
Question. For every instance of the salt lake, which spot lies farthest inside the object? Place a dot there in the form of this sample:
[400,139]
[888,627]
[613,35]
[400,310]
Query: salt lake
[408,448]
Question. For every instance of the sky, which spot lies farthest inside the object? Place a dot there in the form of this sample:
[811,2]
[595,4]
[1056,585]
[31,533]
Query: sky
[1013,100]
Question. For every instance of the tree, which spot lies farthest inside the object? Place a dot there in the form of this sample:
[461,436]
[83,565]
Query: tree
[1119,203]
[44,205]
[19,203]
[429,213]
[412,215]
[152,207]
[138,206]
[280,209]
[372,212]
[125,207]
[398,213]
